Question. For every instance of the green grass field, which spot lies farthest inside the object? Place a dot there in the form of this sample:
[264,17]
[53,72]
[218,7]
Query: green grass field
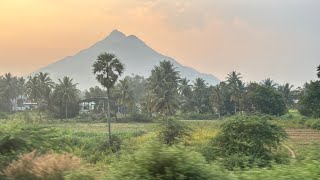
[86,140]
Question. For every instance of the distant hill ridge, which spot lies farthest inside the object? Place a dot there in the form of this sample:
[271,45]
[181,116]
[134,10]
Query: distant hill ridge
[139,59]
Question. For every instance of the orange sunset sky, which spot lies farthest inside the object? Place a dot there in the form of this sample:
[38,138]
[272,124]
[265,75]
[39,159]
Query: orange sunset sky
[266,38]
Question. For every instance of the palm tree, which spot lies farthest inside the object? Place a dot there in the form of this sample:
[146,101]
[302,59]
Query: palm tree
[318,71]
[107,70]
[287,93]
[185,91]
[9,88]
[200,95]
[46,85]
[217,99]
[66,91]
[236,86]
[162,89]
[185,88]
[269,83]
[35,92]
[21,88]
[126,95]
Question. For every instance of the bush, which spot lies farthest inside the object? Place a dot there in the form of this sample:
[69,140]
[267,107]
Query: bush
[134,117]
[3,115]
[18,138]
[79,175]
[114,145]
[49,166]
[313,123]
[197,116]
[157,161]
[247,140]
[173,131]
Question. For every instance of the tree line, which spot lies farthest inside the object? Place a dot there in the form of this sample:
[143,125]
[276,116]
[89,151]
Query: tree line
[163,93]
[57,98]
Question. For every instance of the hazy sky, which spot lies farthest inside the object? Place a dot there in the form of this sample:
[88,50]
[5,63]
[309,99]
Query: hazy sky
[279,39]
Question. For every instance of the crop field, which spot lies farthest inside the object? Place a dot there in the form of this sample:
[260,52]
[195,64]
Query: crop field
[303,136]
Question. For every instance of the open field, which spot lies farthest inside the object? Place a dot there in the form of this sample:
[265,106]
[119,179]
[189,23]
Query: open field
[87,141]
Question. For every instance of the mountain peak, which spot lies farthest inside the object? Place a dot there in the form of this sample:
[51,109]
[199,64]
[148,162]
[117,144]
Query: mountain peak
[116,35]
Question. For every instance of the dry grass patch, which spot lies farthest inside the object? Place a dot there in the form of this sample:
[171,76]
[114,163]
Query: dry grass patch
[41,167]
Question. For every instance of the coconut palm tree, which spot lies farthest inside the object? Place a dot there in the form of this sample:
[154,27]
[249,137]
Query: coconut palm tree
[287,93]
[107,70]
[9,88]
[21,88]
[46,84]
[126,94]
[200,96]
[66,91]
[318,71]
[185,88]
[185,91]
[217,99]
[269,83]
[162,89]
[236,87]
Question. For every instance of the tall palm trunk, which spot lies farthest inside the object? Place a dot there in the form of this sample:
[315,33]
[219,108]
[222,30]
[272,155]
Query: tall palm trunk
[66,111]
[108,115]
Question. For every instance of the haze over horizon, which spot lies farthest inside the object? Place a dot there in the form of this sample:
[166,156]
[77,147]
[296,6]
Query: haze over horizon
[276,39]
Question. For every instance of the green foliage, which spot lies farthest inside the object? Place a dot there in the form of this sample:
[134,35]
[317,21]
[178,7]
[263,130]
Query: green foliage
[79,175]
[313,123]
[17,138]
[197,116]
[156,161]
[9,90]
[309,103]
[107,69]
[114,144]
[162,89]
[135,117]
[201,97]
[3,115]
[247,141]
[318,71]
[173,131]
[266,100]
[66,96]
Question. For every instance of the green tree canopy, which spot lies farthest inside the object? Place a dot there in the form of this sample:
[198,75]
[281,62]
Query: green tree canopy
[309,103]
[162,89]
[266,100]
[66,92]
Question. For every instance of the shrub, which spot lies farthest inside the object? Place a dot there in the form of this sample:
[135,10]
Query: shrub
[313,123]
[18,138]
[247,140]
[198,116]
[49,166]
[77,175]
[114,145]
[134,117]
[3,115]
[173,131]
[156,161]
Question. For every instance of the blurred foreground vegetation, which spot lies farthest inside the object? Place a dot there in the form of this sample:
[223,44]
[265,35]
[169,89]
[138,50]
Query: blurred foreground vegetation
[141,153]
